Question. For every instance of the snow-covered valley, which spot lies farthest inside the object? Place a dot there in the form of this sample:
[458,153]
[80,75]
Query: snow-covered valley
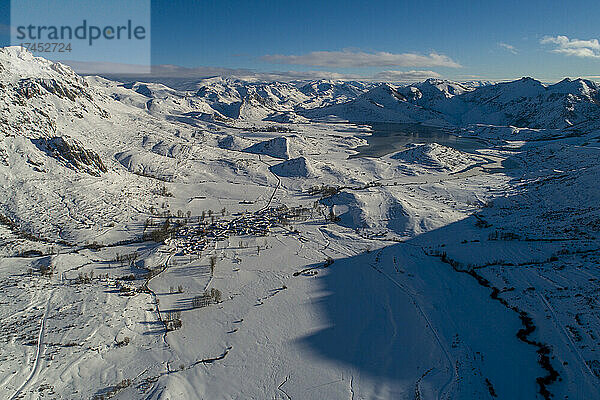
[225,239]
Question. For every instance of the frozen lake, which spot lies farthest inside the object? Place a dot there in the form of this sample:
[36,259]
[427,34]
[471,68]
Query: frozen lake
[390,137]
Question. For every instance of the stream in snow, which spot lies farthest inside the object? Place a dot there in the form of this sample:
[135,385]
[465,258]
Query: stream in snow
[390,137]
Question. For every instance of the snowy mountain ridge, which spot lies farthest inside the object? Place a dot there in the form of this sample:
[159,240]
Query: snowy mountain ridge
[525,103]
[223,240]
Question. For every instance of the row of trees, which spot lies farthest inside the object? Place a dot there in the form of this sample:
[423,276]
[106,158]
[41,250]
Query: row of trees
[207,298]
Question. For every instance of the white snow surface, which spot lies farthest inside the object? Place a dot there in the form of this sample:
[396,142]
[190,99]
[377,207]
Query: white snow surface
[430,273]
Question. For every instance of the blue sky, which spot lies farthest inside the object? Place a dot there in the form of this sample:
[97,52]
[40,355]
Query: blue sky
[459,40]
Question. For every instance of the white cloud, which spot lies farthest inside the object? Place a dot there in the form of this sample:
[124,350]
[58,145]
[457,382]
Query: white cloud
[354,59]
[405,76]
[508,47]
[175,71]
[573,47]
[105,67]
[126,71]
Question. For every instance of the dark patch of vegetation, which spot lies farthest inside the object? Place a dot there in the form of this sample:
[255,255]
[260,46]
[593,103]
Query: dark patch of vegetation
[163,232]
[507,236]
[481,223]
[324,191]
[172,320]
[85,277]
[124,342]
[271,128]
[490,388]
[312,270]
[110,392]
[207,298]
[31,253]
[213,359]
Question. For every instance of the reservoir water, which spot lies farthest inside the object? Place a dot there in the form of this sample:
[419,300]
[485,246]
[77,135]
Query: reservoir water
[391,137]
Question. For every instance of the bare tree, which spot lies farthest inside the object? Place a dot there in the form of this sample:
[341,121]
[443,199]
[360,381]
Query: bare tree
[213,264]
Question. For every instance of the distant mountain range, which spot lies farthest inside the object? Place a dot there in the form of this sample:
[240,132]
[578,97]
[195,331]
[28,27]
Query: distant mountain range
[454,274]
[524,103]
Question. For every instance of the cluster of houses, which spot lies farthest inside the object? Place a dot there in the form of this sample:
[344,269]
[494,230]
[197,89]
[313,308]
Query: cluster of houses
[193,239]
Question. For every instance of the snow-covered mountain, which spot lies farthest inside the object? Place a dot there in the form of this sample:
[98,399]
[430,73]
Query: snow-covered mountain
[222,241]
[384,102]
[522,103]
[244,100]
[530,104]
[250,100]
[327,92]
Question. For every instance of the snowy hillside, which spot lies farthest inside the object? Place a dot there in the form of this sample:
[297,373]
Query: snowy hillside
[437,157]
[384,102]
[527,103]
[224,240]
[326,92]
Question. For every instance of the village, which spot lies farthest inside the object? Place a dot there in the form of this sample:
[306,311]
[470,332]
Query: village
[193,235]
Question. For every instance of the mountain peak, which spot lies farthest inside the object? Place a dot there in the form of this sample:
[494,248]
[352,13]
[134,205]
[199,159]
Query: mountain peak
[17,63]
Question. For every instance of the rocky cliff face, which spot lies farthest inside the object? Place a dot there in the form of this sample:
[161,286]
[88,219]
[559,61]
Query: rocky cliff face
[72,153]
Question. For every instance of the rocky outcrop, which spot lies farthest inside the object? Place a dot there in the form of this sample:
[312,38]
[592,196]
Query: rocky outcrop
[32,87]
[72,154]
